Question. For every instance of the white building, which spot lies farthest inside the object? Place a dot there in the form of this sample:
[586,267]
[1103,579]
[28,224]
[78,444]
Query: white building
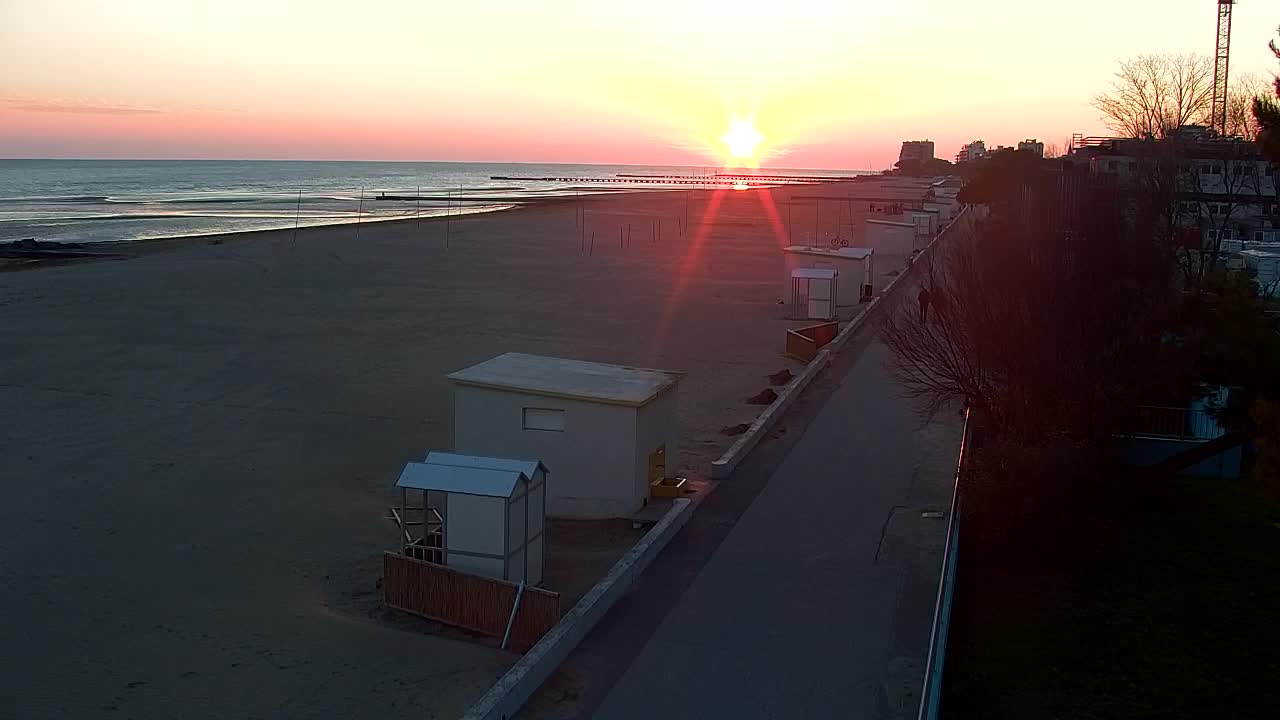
[887,237]
[1226,192]
[855,268]
[606,431]
[1032,145]
[925,220]
[972,151]
[945,208]
[493,514]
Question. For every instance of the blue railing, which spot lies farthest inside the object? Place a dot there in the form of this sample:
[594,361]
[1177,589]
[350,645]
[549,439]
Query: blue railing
[1174,422]
[931,695]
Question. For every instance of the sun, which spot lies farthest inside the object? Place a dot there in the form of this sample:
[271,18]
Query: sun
[741,140]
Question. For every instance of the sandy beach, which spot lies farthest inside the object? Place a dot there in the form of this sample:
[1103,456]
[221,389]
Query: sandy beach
[202,439]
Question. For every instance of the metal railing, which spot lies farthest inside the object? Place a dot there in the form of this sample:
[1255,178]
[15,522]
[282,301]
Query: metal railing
[1175,422]
[931,695]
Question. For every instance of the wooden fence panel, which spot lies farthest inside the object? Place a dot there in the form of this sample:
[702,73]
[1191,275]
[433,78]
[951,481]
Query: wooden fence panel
[468,601]
[804,343]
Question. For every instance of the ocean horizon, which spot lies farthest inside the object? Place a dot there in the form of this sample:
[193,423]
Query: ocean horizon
[93,201]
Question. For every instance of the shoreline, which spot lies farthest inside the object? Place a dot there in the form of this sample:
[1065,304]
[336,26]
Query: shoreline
[132,248]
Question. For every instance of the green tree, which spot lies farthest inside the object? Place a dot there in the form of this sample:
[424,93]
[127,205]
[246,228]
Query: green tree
[1267,112]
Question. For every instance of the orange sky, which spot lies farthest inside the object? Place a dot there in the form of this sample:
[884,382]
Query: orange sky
[828,84]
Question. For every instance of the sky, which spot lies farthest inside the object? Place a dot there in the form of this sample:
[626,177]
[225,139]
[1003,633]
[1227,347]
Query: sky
[823,84]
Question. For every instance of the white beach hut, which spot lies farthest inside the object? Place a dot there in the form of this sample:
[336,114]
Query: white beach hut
[855,268]
[946,209]
[888,237]
[608,431]
[813,294]
[926,222]
[493,514]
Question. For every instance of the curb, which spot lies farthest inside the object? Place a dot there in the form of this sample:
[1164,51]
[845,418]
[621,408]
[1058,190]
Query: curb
[514,689]
[722,468]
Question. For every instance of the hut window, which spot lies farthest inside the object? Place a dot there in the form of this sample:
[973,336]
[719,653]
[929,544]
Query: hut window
[543,419]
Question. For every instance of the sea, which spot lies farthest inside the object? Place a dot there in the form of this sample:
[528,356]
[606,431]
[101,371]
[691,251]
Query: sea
[91,201]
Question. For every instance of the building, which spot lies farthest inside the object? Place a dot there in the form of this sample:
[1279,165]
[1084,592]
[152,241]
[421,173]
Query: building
[915,151]
[855,268]
[887,237]
[972,151]
[1032,145]
[607,432]
[1224,188]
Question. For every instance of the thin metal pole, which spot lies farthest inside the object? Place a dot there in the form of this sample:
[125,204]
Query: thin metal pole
[506,637]
[448,216]
[591,251]
[817,205]
[297,215]
[790,235]
[417,196]
[360,212]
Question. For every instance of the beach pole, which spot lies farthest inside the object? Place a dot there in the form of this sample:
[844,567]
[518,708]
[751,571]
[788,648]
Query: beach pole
[628,234]
[448,216]
[817,206]
[297,215]
[360,212]
[417,196]
[790,236]
[592,250]
[619,235]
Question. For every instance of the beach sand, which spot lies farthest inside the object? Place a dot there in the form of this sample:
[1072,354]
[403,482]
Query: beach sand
[200,442]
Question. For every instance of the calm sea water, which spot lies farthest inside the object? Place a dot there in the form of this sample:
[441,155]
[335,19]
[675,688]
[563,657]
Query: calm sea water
[106,200]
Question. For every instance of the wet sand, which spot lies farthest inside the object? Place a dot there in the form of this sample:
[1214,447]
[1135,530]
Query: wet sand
[201,440]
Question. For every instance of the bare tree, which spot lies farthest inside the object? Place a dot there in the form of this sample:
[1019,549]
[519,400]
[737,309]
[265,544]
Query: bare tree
[1053,150]
[1241,122]
[1154,94]
[1047,327]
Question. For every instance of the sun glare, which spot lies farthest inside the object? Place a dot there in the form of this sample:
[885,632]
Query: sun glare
[740,142]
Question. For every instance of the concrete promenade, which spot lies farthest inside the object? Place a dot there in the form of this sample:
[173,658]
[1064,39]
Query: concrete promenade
[818,601]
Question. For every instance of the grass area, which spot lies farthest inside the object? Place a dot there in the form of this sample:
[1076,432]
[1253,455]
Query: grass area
[1172,614]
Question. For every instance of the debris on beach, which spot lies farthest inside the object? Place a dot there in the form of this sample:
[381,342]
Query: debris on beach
[764,397]
[782,377]
[732,430]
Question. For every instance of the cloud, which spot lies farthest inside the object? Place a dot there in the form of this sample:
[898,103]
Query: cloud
[77,107]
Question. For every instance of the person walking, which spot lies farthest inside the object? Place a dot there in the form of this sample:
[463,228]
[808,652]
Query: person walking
[923,299]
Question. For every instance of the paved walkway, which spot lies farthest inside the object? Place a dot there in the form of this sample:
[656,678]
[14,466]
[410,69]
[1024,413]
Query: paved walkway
[819,600]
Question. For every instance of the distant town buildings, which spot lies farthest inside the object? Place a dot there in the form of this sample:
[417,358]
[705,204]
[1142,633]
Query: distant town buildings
[915,151]
[1033,145]
[972,151]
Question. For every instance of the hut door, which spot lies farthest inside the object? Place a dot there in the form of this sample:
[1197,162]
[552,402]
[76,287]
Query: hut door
[658,464]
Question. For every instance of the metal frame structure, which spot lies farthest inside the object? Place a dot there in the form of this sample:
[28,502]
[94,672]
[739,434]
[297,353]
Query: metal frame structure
[1220,61]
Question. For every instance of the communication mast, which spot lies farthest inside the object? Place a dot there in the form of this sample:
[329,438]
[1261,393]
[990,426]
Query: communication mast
[1220,58]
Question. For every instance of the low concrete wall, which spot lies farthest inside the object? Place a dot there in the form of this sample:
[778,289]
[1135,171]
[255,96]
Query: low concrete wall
[725,466]
[524,678]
